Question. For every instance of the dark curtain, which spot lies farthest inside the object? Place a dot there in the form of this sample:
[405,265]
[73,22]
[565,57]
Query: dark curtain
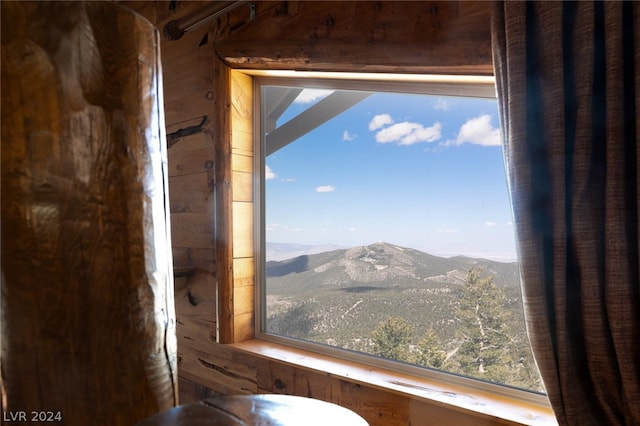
[568,81]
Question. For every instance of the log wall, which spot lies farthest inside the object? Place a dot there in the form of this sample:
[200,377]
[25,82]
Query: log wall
[210,173]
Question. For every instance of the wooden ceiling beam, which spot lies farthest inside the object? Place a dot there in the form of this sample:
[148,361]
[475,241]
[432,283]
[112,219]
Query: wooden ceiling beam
[443,37]
[459,58]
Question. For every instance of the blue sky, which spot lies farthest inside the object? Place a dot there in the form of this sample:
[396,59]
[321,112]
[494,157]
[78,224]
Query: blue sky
[418,171]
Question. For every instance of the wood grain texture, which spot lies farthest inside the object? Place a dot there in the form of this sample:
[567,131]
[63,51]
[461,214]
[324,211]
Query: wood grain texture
[190,193]
[88,323]
[161,11]
[221,127]
[192,154]
[225,370]
[443,37]
[192,392]
[222,371]
[187,60]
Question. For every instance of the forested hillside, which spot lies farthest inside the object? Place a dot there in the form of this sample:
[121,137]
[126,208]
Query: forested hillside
[457,314]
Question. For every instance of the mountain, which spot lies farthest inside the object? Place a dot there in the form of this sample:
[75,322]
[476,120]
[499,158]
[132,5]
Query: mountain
[349,298]
[340,296]
[380,265]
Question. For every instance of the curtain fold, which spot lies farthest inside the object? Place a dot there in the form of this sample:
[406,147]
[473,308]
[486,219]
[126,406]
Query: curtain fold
[568,85]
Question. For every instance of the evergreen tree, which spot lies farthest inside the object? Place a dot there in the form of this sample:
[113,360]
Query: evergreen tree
[391,339]
[430,353]
[485,344]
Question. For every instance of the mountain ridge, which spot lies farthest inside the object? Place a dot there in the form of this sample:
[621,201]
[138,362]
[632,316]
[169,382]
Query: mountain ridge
[343,297]
[381,264]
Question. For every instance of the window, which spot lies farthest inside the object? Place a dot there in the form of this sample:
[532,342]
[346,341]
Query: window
[384,232]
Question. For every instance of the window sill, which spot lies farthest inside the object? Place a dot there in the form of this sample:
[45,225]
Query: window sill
[438,393]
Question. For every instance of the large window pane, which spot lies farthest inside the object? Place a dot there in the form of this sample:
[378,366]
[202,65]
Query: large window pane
[387,230]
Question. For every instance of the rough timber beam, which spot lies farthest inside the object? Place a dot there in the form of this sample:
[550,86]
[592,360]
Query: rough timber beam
[442,37]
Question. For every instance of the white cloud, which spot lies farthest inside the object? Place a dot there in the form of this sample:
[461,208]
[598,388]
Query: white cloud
[353,229]
[407,133]
[490,224]
[268,173]
[346,136]
[478,131]
[288,179]
[325,188]
[447,231]
[379,121]
[310,95]
[443,104]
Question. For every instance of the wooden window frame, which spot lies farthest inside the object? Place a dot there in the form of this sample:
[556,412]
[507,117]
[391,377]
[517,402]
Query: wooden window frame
[237,282]
[234,206]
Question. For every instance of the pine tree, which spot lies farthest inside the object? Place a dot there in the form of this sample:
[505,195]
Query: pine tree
[391,339]
[485,344]
[429,351]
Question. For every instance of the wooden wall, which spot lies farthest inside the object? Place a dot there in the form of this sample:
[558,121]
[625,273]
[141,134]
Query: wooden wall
[210,178]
